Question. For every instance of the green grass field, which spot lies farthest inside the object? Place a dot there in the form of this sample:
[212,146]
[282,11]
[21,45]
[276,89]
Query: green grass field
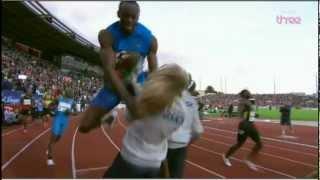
[296,114]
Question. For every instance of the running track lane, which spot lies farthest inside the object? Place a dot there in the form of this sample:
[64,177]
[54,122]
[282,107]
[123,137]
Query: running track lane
[293,162]
[10,128]
[266,140]
[282,166]
[35,156]
[93,154]
[15,128]
[15,140]
[96,172]
[269,150]
[232,135]
[307,135]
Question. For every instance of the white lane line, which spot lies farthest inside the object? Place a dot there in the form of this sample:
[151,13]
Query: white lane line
[92,169]
[262,153]
[23,149]
[270,121]
[73,162]
[289,142]
[190,162]
[12,131]
[17,129]
[107,136]
[121,124]
[266,145]
[205,169]
[236,159]
[267,138]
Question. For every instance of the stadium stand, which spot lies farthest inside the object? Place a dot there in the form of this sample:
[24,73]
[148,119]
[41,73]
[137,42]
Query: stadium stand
[32,58]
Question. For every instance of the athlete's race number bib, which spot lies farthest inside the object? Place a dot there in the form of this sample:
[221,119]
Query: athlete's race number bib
[27,102]
[252,116]
[63,106]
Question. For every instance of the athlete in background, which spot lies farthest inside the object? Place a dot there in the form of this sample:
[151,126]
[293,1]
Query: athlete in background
[246,129]
[26,109]
[60,122]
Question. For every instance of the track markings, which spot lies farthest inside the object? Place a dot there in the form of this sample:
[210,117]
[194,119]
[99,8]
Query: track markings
[92,169]
[23,149]
[236,159]
[262,153]
[267,138]
[12,131]
[108,137]
[266,145]
[73,162]
[205,169]
[17,129]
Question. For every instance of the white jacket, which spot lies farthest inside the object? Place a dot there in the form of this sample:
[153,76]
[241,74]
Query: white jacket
[190,126]
[146,141]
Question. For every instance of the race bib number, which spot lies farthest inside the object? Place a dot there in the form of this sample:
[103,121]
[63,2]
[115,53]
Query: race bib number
[27,102]
[252,116]
[63,106]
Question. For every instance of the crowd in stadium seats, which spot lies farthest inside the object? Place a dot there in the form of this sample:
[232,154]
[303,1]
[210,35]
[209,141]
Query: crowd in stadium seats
[224,100]
[22,72]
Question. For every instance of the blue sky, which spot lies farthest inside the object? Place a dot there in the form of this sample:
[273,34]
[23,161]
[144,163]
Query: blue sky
[229,45]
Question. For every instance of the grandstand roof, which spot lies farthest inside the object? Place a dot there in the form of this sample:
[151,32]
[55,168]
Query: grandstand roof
[36,27]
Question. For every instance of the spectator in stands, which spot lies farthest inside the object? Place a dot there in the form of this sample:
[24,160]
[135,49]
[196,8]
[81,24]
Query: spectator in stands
[285,119]
[82,103]
[137,39]
[6,83]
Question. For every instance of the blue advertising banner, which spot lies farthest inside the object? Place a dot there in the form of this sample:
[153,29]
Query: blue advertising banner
[11,97]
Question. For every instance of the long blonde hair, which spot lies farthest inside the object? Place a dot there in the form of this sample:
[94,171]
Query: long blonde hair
[162,88]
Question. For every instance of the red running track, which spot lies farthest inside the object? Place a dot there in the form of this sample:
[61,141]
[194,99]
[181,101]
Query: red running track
[89,155]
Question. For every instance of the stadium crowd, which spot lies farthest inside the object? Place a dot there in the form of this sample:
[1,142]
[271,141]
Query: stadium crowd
[221,101]
[22,73]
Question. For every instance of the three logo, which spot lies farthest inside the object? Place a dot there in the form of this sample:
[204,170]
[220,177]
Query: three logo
[288,20]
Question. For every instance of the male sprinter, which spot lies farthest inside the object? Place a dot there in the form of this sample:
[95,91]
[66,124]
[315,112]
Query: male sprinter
[60,121]
[26,109]
[125,35]
[246,129]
